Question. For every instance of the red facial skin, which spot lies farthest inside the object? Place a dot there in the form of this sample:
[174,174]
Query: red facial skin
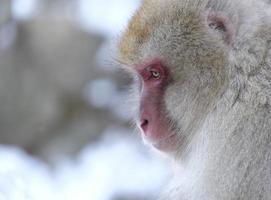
[152,121]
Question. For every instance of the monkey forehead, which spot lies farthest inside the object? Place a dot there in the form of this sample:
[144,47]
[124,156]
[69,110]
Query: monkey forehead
[155,19]
[138,31]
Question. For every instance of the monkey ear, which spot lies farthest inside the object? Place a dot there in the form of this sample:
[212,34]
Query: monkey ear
[222,24]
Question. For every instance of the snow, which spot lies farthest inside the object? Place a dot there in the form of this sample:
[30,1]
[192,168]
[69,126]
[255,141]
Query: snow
[23,9]
[116,165]
[106,17]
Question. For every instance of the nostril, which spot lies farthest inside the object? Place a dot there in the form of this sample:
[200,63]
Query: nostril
[144,124]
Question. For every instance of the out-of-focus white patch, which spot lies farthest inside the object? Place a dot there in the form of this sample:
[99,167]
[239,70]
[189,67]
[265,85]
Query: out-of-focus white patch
[103,93]
[23,9]
[122,108]
[115,166]
[106,17]
[23,177]
[100,92]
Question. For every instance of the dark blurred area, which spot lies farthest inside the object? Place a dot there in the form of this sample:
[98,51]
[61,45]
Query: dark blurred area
[46,63]
[63,104]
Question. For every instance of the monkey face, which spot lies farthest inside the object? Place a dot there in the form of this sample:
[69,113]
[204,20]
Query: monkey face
[181,61]
[154,78]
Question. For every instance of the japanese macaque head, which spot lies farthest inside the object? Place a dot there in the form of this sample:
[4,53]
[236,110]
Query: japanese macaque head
[178,54]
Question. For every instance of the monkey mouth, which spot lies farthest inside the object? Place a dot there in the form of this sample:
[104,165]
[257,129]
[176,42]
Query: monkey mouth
[157,133]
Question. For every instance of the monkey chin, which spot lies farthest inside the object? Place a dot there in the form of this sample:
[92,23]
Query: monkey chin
[166,144]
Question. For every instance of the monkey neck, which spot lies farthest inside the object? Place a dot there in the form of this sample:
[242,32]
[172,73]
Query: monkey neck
[231,149]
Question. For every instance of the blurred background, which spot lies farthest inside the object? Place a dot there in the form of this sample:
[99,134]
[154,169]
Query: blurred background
[65,125]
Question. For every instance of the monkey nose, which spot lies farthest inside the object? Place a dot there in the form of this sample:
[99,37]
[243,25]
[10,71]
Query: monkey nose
[144,124]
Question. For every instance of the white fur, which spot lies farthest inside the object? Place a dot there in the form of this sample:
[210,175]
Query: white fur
[230,154]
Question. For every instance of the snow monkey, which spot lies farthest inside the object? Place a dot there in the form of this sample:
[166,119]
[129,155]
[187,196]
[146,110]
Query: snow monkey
[202,72]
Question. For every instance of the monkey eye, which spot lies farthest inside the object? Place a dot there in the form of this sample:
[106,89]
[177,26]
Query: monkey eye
[155,74]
